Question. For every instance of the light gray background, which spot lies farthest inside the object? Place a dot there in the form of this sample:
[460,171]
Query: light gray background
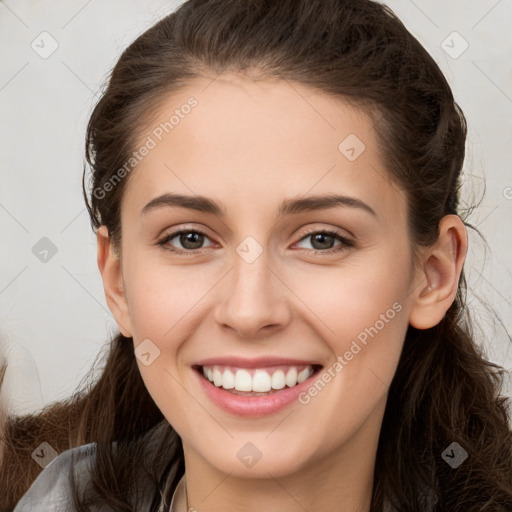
[53,315]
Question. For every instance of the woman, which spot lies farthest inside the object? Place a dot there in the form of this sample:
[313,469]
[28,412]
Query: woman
[275,196]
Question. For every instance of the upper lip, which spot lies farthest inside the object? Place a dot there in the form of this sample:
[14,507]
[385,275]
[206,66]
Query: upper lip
[258,362]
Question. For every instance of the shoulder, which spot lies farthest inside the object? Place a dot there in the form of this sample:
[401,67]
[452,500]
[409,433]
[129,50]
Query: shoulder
[51,490]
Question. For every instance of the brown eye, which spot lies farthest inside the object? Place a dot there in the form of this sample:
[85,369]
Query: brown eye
[322,241]
[189,239]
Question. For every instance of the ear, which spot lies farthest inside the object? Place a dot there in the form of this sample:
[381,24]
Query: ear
[439,275]
[109,265]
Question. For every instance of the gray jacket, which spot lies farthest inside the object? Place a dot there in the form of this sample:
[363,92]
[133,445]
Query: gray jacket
[51,491]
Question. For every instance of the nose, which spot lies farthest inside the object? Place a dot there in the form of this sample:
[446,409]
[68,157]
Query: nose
[252,299]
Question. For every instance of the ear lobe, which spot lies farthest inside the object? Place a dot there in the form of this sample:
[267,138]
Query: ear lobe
[440,274]
[109,266]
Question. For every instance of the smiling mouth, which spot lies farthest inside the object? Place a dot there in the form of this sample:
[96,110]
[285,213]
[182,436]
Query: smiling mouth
[256,381]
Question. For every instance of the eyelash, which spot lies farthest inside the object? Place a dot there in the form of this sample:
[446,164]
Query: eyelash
[345,242]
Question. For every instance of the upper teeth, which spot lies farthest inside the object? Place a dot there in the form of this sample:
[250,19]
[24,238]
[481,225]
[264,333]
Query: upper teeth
[258,380]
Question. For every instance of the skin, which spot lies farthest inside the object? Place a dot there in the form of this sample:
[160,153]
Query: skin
[250,145]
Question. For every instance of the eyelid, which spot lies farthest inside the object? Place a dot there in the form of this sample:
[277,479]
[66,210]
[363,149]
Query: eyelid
[178,231]
[346,242]
[334,231]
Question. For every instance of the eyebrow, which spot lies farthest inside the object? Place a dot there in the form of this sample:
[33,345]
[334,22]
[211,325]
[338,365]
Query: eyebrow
[287,207]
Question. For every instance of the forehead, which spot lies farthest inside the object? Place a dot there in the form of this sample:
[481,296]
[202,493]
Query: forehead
[259,139]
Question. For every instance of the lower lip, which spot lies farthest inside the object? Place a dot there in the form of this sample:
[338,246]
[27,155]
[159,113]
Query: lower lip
[253,406]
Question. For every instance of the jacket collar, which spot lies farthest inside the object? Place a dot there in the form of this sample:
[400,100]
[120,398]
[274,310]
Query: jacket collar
[179,498]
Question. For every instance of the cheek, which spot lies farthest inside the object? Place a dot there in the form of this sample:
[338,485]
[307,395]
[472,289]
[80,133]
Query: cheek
[354,297]
[161,296]
[360,310]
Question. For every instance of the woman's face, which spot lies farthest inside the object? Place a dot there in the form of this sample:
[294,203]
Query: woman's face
[267,294]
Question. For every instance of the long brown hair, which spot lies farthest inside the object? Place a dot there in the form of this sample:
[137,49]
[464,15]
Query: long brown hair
[444,390]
